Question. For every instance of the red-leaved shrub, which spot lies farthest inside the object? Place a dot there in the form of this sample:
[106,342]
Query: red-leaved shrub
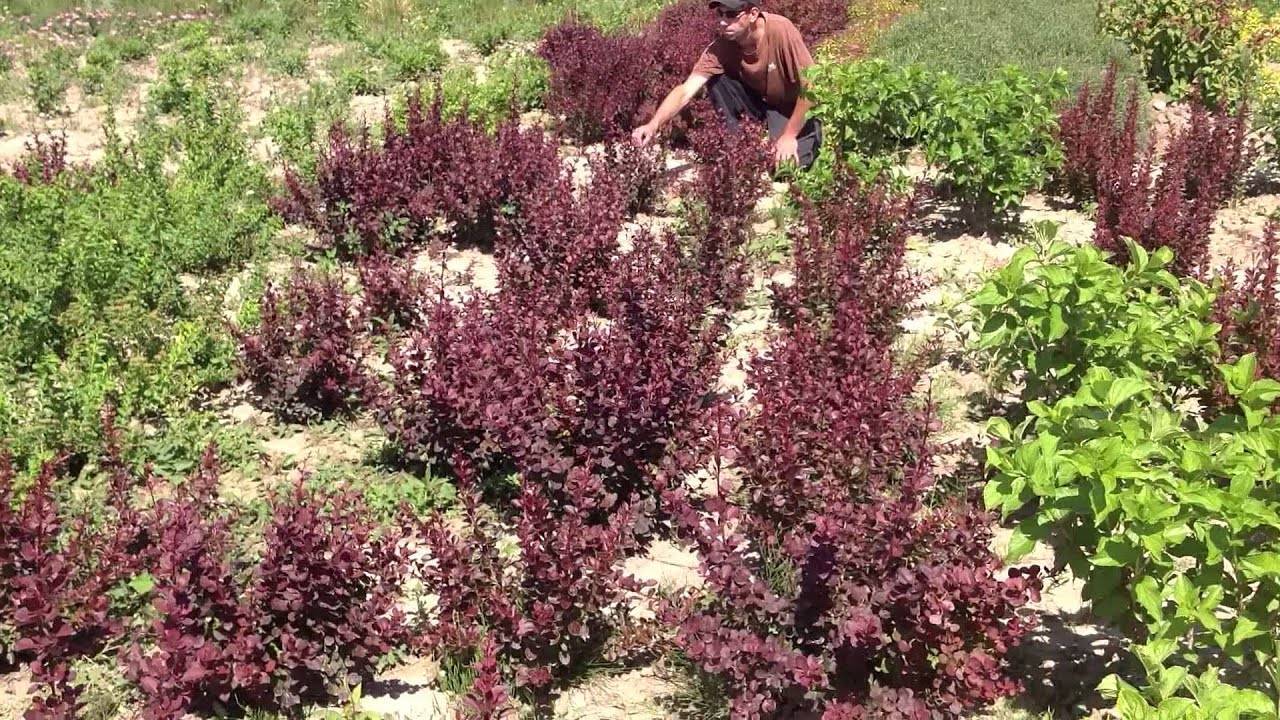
[394,292]
[315,615]
[833,412]
[548,608]
[58,571]
[44,160]
[433,177]
[558,247]
[598,82]
[609,392]
[190,662]
[874,607]
[731,178]
[1092,137]
[1170,202]
[833,588]
[322,602]
[487,698]
[306,355]
[815,19]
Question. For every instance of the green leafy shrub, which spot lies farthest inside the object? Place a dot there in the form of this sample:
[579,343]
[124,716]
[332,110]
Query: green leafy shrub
[1185,46]
[189,69]
[1170,514]
[408,56]
[1173,523]
[48,79]
[290,61]
[297,126]
[990,142]
[96,284]
[356,73]
[1057,310]
[512,83]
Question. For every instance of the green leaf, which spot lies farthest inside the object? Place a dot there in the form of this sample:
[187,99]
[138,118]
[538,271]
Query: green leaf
[1020,544]
[1115,552]
[1261,564]
[1057,325]
[1147,593]
[1124,388]
[142,583]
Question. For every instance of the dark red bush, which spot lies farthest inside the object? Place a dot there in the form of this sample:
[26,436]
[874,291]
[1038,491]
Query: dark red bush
[834,417]
[551,606]
[487,698]
[433,177]
[609,392]
[44,160]
[815,19]
[732,176]
[598,82]
[1171,202]
[1248,307]
[58,571]
[1093,138]
[306,356]
[557,248]
[188,663]
[864,603]
[639,171]
[322,602]
[833,589]
[851,248]
[314,617]
[394,293]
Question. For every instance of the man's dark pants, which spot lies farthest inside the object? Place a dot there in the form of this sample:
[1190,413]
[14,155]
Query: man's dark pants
[734,100]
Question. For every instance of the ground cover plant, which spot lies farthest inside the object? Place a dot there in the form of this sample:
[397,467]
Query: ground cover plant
[973,39]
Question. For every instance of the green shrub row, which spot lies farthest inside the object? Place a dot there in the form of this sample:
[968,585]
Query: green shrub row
[991,142]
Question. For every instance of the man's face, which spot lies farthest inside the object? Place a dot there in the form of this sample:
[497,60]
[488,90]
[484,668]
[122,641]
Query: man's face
[734,24]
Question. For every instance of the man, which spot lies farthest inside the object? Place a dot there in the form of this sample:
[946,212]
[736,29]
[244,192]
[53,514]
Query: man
[753,68]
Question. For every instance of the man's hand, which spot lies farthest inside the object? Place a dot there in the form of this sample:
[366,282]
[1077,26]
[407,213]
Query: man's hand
[642,135]
[785,149]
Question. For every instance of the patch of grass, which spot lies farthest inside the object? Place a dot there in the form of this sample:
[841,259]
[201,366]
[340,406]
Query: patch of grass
[974,38]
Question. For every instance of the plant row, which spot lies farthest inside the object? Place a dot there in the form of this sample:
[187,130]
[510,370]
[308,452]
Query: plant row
[579,399]
[1146,457]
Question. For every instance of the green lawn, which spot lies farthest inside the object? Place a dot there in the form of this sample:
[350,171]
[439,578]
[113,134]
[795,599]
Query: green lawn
[972,38]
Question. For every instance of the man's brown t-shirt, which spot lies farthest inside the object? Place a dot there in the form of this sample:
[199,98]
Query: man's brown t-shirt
[774,72]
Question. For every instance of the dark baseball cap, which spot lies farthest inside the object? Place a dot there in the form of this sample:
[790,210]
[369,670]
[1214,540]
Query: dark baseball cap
[735,4]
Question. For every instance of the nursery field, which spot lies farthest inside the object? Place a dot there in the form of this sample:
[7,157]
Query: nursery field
[358,363]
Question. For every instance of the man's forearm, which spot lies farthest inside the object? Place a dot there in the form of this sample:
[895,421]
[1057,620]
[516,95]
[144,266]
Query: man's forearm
[796,122]
[673,103]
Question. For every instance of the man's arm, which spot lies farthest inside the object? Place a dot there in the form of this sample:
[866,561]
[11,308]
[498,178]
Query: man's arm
[673,103]
[786,147]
